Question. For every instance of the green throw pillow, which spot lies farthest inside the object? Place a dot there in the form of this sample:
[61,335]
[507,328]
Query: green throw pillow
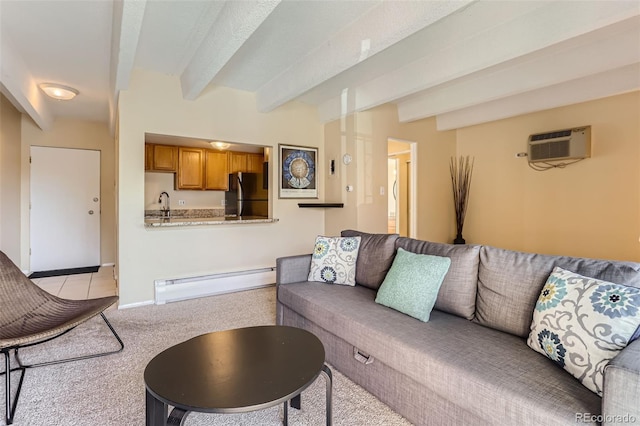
[411,285]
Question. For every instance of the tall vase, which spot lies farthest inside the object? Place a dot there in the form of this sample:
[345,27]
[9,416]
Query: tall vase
[459,239]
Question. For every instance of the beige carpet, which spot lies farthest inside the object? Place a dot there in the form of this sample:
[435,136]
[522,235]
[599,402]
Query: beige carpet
[110,390]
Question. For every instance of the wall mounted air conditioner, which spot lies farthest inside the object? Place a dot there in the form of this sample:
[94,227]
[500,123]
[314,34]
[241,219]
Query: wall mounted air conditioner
[567,144]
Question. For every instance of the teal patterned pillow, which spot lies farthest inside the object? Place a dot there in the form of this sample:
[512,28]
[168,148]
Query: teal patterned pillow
[411,285]
[581,323]
[334,260]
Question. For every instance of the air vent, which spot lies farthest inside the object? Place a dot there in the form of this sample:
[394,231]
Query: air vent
[567,144]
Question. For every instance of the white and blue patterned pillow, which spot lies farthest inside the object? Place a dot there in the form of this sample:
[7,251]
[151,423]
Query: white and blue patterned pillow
[581,323]
[334,260]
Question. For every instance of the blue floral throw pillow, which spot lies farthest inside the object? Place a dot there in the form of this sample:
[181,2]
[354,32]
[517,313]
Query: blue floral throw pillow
[334,260]
[581,323]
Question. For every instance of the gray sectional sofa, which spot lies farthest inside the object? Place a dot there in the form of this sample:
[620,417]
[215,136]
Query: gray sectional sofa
[470,364]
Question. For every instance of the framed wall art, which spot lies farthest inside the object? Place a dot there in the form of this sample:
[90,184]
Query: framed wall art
[298,177]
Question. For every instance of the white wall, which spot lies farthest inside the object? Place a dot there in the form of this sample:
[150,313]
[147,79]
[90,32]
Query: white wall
[154,104]
[10,136]
[155,183]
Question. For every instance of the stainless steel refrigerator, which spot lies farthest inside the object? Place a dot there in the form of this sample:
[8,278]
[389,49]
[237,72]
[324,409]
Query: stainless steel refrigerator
[248,195]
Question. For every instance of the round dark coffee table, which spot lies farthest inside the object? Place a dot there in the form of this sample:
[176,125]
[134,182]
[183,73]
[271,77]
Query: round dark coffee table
[234,371]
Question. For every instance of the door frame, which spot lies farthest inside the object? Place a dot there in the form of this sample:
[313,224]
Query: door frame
[413,182]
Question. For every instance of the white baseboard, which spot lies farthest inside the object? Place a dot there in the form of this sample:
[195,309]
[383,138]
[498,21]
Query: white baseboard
[108,264]
[135,305]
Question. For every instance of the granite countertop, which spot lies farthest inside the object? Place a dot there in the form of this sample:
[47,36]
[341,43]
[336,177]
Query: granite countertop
[186,213]
[192,221]
[154,219]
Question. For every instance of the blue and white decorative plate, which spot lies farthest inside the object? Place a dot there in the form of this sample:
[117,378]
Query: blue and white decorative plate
[298,169]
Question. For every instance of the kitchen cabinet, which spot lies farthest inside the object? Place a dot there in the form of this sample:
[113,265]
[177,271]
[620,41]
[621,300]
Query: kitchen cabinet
[148,157]
[190,173]
[215,176]
[245,162]
[201,169]
[165,158]
[237,162]
[160,158]
[254,163]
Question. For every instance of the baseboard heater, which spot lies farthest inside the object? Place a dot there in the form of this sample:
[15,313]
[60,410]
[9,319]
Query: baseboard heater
[209,285]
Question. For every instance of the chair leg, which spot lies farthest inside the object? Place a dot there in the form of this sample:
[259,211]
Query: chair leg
[78,358]
[10,409]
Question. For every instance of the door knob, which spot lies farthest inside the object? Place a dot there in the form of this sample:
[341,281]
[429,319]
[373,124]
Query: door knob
[90,211]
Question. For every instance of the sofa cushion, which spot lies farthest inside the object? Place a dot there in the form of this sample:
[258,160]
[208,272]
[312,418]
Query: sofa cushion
[334,260]
[374,258]
[509,283]
[582,323]
[457,294]
[411,285]
[495,375]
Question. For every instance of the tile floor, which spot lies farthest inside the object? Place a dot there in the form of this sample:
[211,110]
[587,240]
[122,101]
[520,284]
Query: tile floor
[81,286]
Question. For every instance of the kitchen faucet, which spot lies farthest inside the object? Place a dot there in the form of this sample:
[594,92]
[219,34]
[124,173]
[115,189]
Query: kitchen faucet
[166,208]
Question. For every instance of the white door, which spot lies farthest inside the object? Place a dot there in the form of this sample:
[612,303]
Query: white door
[65,208]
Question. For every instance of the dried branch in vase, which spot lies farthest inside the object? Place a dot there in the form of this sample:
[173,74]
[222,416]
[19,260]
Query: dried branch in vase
[461,170]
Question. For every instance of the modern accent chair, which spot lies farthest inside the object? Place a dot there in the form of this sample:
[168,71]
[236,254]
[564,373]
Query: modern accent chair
[30,316]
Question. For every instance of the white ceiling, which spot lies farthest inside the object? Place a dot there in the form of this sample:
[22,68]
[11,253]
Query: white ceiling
[465,62]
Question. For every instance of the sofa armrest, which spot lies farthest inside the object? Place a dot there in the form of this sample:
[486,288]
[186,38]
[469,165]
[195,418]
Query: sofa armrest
[621,396]
[292,269]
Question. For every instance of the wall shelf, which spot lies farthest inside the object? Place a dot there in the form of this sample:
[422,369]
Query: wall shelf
[321,205]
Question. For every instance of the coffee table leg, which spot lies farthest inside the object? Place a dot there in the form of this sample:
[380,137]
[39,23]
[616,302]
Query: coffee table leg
[296,401]
[156,411]
[177,417]
[285,419]
[329,380]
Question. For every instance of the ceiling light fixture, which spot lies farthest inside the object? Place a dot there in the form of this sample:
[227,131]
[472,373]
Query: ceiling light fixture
[58,91]
[220,145]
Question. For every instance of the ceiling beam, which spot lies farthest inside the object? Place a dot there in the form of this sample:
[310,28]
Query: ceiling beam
[127,23]
[19,86]
[237,21]
[585,89]
[618,43]
[378,29]
[458,47]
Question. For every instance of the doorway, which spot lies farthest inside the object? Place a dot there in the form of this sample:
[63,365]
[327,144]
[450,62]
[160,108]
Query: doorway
[65,208]
[401,187]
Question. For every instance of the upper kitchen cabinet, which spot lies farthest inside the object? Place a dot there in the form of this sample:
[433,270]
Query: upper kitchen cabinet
[201,169]
[245,162]
[161,158]
[190,173]
[254,163]
[237,162]
[216,171]
[148,157]
[165,158]
[200,164]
